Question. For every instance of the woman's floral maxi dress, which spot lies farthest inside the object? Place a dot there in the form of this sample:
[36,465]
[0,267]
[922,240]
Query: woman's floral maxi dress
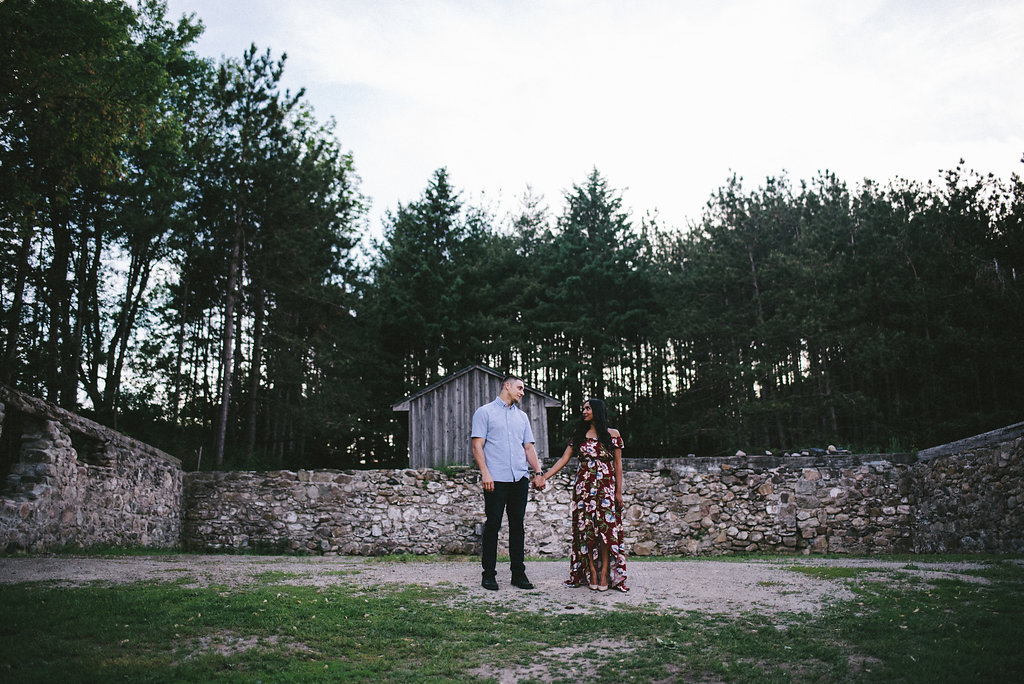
[596,517]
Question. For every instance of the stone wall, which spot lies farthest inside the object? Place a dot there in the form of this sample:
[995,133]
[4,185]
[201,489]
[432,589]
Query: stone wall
[673,506]
[970,497]
[75,482]
[786,508]
[78,483]
[365,512]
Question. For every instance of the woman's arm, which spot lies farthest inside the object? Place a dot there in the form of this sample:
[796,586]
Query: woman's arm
[566,455]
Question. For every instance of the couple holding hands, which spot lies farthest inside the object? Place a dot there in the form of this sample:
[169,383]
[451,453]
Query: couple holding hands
[503,448]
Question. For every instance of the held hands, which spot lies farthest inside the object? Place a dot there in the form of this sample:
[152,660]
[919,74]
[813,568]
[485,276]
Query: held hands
[488,482]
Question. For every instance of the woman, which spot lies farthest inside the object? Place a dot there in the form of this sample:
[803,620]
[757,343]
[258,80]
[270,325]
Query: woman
[597,558]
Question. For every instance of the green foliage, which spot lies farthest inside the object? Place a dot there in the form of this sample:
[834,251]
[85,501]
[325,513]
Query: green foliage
[817,317]
[179,245]
[269,257]
[450,470]
[423,274]
[89,134]
[593,315]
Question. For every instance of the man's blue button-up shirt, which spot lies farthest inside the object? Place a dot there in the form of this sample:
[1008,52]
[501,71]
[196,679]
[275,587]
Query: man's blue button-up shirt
[505,430]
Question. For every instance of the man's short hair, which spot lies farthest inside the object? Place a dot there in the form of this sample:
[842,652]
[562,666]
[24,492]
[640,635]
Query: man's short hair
[510,378]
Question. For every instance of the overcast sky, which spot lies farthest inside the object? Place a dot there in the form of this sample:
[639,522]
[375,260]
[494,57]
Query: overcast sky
[666,98]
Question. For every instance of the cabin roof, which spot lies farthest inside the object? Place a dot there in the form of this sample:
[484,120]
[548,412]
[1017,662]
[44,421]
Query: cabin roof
[405,404]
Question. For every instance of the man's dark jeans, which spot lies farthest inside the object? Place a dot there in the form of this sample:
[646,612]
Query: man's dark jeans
[511,497]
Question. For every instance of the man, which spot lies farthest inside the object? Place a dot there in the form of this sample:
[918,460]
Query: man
[503,448]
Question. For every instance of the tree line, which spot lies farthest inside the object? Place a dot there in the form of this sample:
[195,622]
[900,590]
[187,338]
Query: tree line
[180,242]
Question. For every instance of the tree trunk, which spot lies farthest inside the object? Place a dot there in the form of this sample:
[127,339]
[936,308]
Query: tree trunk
[142,266]
[254,375]
[228,348]
[56,301]
[7,370]
[177,380]
[88,295]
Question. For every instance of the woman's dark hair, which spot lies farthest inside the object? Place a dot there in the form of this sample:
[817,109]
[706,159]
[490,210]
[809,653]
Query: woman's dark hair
[600,414]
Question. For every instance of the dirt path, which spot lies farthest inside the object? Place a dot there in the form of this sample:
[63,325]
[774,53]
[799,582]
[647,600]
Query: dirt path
[716,586]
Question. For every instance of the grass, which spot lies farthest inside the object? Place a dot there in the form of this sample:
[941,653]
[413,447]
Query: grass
[908,558]
[830,572]
[275,576]
[413,558]
[948,630]
[99,550]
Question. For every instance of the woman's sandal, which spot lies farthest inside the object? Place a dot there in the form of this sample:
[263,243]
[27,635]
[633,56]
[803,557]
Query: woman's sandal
[593,587]
[602,587]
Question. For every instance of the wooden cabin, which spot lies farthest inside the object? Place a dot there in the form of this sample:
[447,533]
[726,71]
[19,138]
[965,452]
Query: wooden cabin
[440,417]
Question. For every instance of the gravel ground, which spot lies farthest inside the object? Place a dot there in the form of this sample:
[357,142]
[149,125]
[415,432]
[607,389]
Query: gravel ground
[716,586]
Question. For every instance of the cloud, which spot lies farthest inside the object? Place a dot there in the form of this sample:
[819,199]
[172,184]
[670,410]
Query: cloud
[664,97]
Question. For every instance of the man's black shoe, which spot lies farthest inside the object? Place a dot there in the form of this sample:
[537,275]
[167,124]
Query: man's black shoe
[522,582]
[489,583]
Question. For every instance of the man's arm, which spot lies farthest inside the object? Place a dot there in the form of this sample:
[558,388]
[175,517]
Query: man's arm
[481,463]
[531,458]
